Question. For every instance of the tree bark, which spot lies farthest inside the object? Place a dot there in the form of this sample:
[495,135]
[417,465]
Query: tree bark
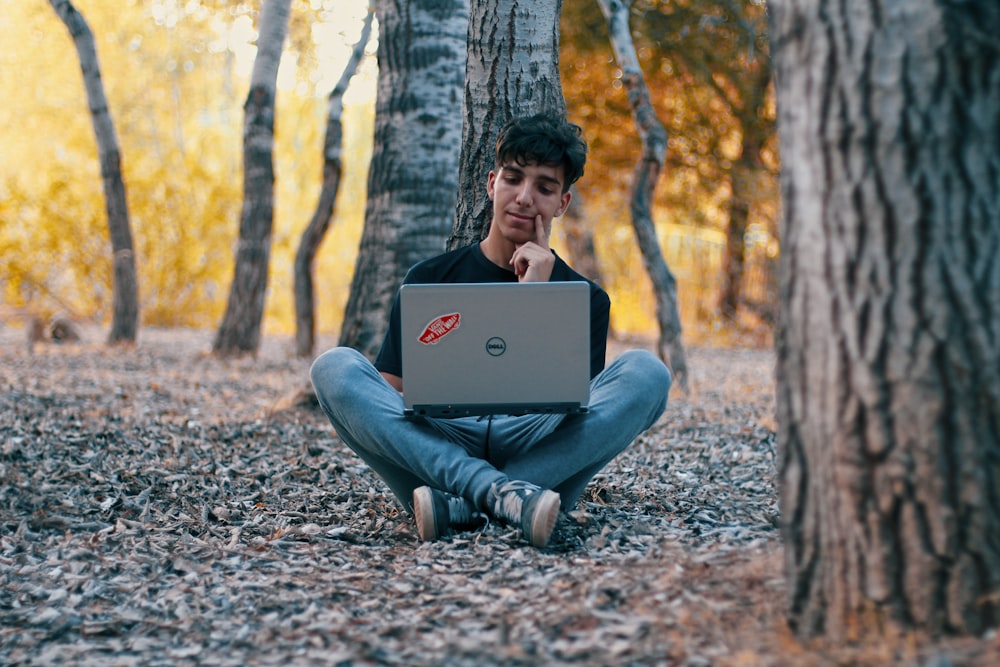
[239,332]
[888,347]
[312,237]
[512,71]
[125,284]
[413,177]
[647,173]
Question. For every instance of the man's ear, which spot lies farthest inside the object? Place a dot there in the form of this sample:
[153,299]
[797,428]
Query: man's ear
[491,185]
[566,197]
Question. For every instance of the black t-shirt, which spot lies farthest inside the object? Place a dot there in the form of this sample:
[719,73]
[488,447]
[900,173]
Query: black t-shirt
[470,265]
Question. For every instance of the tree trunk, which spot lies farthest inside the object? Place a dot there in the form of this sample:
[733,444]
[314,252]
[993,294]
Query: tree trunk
[305,318]
[744,177]
[125,289]
[240,329]
[647,173]
[512,71]
[414,170]
[888,348]
[578,232]
[734,257]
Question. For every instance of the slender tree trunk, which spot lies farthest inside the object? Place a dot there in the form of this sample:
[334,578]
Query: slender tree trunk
[513,71]
[125,289]
[888,349]
[413,176]
[305,318]
[734,258]
[749,108]
[745,175]
[647,173]
[578,232]
[240,329]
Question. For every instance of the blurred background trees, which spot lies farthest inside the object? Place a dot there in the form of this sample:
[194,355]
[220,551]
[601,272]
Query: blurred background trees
[698,59]
[176,76]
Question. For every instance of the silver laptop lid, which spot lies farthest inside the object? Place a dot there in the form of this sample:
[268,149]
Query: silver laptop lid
[495,348]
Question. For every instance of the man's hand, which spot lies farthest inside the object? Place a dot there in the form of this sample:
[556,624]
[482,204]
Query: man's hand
[533,260]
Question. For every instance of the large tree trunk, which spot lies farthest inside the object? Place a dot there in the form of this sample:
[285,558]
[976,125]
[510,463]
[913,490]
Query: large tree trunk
[512,71]
[888,349]
[647,173]
[240,329]
[125,284]
[413,176]
[305,317]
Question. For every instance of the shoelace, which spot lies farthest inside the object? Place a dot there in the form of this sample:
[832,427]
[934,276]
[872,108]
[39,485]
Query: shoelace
[461,512]
[509,499]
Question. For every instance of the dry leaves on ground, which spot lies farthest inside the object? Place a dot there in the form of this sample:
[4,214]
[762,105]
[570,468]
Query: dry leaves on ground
[161,506]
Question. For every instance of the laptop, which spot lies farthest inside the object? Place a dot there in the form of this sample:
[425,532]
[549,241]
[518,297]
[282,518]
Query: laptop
[495,348]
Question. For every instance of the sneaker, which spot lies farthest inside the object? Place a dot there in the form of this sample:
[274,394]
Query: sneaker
[437,513]
[531,508]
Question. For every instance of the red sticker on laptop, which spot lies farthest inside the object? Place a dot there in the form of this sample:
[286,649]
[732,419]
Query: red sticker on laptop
[439,327]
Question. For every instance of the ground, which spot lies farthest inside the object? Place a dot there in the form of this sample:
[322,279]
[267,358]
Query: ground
[162,506]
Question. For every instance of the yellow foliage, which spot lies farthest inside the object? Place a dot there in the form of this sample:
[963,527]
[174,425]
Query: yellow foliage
[172,75]
[694,257]
[177,106]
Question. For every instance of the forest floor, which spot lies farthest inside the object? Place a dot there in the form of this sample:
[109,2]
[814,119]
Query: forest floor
[159,506]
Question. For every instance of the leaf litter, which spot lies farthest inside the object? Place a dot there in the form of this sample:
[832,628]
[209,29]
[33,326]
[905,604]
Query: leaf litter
[164,507]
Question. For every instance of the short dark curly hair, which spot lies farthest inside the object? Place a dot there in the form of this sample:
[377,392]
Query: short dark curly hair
[544,138]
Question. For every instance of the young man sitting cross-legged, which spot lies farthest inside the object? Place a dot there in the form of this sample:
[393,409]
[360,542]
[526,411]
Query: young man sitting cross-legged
[454,474]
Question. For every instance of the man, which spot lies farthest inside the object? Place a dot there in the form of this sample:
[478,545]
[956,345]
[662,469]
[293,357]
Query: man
[454,474]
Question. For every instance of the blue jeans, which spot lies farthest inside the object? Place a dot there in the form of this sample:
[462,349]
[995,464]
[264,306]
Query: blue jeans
[465,456]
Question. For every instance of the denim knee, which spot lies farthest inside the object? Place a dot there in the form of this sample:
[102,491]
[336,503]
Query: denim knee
[648,377]
[336,370]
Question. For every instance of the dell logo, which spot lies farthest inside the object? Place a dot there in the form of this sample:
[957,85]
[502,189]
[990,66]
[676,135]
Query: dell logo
[496,346]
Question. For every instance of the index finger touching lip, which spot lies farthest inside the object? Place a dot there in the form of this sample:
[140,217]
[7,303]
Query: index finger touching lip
[541,234]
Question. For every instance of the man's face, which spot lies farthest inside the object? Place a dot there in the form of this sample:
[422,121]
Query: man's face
[520,193]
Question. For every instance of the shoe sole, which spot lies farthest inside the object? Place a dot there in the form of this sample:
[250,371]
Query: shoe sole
[423,513]
[543,519]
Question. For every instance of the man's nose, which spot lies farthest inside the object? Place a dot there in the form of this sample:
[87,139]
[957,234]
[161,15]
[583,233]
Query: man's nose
[524,194]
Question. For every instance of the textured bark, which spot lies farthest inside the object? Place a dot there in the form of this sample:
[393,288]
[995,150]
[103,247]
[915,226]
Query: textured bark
[512,71]
[647,173]
[125,284]
[240,329]
[888,349]
[312,237]
[413,176]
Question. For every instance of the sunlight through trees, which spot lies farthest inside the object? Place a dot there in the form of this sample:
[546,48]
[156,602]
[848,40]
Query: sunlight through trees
[176,76]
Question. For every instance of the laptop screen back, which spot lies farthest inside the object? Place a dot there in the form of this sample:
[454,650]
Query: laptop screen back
[495,348]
